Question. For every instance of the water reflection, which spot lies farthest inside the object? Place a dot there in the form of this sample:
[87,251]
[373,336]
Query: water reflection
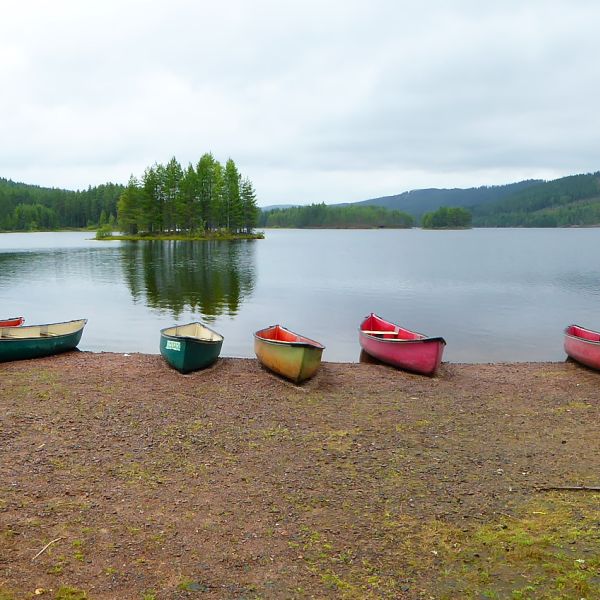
[212,278]
[494,295]
[583,282]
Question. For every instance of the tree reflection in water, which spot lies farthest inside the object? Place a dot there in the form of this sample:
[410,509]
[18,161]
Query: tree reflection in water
[209,277]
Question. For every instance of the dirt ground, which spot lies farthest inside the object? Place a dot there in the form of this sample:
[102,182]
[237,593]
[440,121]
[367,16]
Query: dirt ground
[121,478]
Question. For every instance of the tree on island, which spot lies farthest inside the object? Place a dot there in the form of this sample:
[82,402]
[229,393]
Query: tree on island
[447,218]
[193,201]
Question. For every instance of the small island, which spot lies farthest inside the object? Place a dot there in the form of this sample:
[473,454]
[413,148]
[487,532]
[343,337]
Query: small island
[447,218]
[202,201]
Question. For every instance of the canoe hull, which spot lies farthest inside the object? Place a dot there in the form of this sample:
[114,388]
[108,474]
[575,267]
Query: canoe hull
[186,353]
[35,341]
[401,348]
[294,360]
[583,345]
[12,322]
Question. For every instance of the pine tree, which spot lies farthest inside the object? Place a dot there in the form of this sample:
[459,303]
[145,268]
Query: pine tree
[172,175]
[151,218]
[205,172]
[129,207]
[250,211]
[217,203]
[189,215]
[231,197]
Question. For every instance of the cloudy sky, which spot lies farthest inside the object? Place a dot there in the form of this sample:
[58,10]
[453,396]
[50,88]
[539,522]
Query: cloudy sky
[315,100]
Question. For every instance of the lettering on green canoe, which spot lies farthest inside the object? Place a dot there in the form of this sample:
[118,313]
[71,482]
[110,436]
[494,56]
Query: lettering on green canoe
[172,345]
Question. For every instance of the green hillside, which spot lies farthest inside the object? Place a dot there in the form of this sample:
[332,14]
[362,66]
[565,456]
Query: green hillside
[569,201]
[418,202]
[565,202]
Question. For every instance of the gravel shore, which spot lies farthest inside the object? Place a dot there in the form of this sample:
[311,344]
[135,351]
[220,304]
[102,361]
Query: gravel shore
[121,478]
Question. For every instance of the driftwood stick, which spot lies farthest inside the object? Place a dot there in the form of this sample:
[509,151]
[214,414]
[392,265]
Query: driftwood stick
[578,488]
[507,515]
[46,547]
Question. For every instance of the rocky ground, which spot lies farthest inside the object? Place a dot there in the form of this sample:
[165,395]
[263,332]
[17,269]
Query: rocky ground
[121,478]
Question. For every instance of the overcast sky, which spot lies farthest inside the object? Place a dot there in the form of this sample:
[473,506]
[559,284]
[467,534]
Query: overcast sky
[315,100]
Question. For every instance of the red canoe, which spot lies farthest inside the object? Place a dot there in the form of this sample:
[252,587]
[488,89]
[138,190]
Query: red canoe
[400,347]
[13,322]
[583,345]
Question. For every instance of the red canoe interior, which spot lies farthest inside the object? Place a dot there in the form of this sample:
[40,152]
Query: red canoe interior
[581,332]
[374,325]
[280,334]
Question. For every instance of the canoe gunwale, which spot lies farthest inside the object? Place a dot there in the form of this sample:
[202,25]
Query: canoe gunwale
[580,339]
[305,344]
[191,337]
[315,346]
[187,338]
[41,336]
[422,340]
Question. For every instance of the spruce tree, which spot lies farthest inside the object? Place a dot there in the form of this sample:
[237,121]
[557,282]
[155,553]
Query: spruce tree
[231,197]
[250,211]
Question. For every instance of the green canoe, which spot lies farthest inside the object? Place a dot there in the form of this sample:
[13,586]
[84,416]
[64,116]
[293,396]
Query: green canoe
[190,347]
[33,341]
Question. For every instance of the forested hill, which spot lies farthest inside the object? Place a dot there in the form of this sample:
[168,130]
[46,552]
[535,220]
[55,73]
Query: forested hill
[418,202]
[569,201]
[565,202]
[26,207]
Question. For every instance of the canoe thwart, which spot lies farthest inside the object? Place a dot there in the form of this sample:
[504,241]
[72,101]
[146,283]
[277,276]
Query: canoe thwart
[374,332]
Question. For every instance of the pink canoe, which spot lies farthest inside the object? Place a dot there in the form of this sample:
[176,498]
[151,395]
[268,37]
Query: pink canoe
[12,322]
[400,347]
[583,345]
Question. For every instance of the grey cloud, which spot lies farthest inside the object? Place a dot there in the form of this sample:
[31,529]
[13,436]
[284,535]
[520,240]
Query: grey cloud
[313,100]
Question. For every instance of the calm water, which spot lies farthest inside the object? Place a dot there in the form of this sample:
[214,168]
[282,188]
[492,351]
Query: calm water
[494,294]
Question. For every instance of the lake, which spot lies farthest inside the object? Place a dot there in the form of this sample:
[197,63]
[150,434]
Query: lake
[493,294]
